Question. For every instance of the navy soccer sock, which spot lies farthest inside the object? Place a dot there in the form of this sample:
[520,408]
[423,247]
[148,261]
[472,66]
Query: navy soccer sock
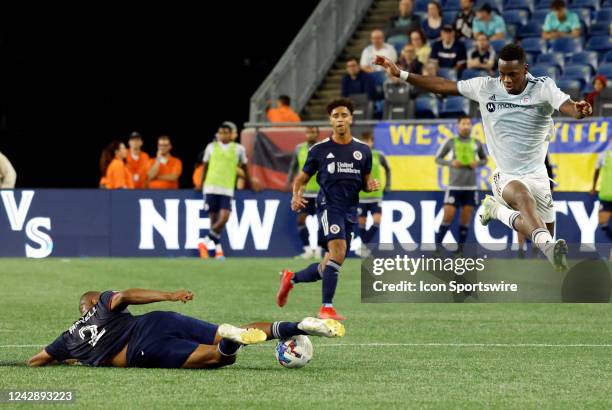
[330,281]
[441,232]
[606,229]
[362,233]
[310,274]
[463,233]
[228,348]
[214,236]
[303,232]
[285,330]
[371,233]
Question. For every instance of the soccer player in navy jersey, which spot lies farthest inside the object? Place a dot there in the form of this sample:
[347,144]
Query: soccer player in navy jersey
[342,164]
[107,334]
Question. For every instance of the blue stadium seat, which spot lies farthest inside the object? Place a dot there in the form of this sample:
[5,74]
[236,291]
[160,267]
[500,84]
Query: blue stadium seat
[451,5]
[607,4]
[590,4]
[544,71]
[584,57]
[543,4]
[572,87]
[448,17]
[566,45]
[534,45]
[472,73]
[496,5]
[519,17]
[579,72]
[448,73]
[421,6]
[606,70]
[554,59]
[531,29]
[539,15]
[599,29]
[469,43]
[498,44]
[599,43]
[526,5]
[607,58]
[604,15]
[584,14]
[426,107]
[454,106]
[398,41]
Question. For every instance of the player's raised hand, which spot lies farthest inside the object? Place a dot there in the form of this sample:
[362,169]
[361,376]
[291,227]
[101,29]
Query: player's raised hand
[182,296]
[390,67]
[584,109]
[373,185]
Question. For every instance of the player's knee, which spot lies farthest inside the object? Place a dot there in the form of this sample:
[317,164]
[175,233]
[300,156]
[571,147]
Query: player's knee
[337,251]
[524,199]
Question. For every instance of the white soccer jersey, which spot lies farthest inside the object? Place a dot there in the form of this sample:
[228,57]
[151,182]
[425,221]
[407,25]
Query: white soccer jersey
[517,127]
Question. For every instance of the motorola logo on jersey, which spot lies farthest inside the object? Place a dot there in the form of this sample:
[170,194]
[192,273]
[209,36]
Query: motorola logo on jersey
[490,107]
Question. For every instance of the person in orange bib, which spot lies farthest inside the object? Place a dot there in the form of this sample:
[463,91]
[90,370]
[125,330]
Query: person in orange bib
[137,161]
[164,171]
[112,164]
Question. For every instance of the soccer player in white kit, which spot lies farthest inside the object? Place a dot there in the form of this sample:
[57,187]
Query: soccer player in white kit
[517,113]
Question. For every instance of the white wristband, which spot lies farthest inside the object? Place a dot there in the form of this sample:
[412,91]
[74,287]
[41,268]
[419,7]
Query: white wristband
[404,75]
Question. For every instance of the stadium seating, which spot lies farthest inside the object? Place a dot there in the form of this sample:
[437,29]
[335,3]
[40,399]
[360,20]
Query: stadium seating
[539,15]
[603,103]
[607,58]
[534,45]
[518,16]
[526,5]
[454,106]
[590,4]
[398,104]
[451,5]
[531,29]
[544,70]
[472,72]
[572,87]
[498,44]
[566,45]
[603,15]
[469,43]
[554,59]
[599,43]
[584,57]
[496,5]
[584,14]
[606,70]
[448,73]
[599,29]
[426,107]
[421,6]
[580,72]
[543,4]
[364,109]
[448,16]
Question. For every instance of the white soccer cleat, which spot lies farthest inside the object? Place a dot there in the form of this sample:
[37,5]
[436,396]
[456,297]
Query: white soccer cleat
[488,207]
[307,254]
[322,327]
[241,336]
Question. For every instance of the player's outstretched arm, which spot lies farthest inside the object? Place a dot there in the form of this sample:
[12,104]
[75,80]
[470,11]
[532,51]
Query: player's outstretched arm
[436,85]
[576,109]
[41,359]
[298,201]
[144,296]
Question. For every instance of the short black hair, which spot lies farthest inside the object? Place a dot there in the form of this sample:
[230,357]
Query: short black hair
[486,8]
[352,58]
[557,4]
[511,52]
[463,117]
[284,99]
[340,102]
[225,126]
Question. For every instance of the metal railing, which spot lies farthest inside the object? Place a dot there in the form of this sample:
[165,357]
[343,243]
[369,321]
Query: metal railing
[313,51]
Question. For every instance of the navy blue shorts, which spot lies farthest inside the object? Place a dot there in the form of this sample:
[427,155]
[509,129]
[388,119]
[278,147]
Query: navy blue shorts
[334,225]
[167,339]
[605,206]
[459,198]
[310,208]
[372,207]
[214,203]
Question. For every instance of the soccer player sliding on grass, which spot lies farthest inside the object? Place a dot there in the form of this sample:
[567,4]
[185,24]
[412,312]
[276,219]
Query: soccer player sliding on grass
[343,165]
[108,335]
[516,110]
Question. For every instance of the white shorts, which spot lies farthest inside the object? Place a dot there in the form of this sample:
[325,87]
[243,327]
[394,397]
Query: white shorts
[538,185]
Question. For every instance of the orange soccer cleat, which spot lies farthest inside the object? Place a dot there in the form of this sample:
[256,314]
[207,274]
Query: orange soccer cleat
[203,250]
[285,287]
[328,312]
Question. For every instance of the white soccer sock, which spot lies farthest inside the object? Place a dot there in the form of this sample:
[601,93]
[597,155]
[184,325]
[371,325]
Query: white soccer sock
[541,238]
[505,215]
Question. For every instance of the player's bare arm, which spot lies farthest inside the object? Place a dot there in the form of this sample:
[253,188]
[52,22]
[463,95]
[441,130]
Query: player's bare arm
[298,201]
[371,184]
[204,170]
[576,109]
[436,85]
[144,296]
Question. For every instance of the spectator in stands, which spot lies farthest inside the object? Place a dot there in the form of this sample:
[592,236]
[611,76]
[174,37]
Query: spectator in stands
[465,19]
[419,41]
[283,111]
[377,48]
[113,168]
[8,176]
[356,81]
[432,25]
[448,52]
[492,25]
[430,69]
[408,60]
[599,83]
[405,21]
[482,56]
[137,161]
[560,22]
[164,171]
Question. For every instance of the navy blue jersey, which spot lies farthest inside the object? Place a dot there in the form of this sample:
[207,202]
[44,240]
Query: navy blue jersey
[341,171]
[97,336]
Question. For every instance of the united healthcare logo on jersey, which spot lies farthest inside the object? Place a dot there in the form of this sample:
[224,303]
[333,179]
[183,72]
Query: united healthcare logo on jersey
[37,243]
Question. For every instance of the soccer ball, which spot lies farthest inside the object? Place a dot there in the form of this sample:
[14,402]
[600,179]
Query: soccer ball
[294,352]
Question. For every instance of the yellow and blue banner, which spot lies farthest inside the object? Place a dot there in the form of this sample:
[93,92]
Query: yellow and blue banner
[411,148]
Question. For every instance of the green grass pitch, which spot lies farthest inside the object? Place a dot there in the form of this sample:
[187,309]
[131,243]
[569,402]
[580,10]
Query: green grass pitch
[393,356]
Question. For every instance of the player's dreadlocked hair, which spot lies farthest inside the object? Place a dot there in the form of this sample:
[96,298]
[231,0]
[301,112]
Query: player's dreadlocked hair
[340,102]
[511,52]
